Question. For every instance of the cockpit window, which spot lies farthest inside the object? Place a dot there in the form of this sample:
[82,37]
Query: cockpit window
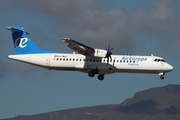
[159,60]
[163,60]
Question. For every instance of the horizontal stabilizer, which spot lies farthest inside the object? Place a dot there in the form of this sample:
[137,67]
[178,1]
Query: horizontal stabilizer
[16,29]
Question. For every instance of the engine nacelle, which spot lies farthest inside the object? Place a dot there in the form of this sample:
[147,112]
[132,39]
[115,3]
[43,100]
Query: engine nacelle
[100,53]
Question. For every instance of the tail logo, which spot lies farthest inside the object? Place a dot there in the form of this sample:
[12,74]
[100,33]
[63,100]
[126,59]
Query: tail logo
[21,42]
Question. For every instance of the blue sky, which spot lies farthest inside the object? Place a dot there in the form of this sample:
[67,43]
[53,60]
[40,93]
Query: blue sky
[144,27]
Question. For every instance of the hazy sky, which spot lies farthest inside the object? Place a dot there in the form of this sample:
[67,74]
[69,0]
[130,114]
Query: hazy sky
[142,27]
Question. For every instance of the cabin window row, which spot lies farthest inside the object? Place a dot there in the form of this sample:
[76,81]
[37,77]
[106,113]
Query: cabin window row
[94,60]
[69,59]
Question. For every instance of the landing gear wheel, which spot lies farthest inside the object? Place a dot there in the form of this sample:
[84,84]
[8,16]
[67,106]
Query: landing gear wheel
[101,77]
[162,77]
[91,74]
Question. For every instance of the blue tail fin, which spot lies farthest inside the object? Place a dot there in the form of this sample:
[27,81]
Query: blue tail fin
[22,43]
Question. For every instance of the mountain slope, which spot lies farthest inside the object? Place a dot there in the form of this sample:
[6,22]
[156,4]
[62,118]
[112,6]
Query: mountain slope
[152,104]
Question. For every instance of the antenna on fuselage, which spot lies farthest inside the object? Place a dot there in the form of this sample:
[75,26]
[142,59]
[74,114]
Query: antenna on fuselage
[127,52]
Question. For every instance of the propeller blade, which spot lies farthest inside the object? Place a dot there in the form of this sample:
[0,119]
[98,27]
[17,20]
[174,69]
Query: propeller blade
[107,60]
[110,57]
[109,53]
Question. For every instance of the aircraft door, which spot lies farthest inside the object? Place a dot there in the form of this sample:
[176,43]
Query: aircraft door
[48,61]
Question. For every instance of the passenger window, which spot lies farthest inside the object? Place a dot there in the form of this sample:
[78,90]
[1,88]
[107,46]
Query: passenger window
[70,59]
[76,59]
[60,59]
[63,59]
[73,59]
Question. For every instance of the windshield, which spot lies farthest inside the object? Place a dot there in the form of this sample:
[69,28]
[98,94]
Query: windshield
[159,60]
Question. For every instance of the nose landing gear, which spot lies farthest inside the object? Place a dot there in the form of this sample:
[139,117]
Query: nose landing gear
[161,76]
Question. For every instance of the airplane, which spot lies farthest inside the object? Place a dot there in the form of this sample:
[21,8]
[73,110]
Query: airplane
[84,58]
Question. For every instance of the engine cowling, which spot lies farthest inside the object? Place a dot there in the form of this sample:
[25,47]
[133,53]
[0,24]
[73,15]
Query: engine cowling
[100,53]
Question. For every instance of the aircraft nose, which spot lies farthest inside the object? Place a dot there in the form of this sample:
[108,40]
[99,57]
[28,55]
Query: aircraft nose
[170,67]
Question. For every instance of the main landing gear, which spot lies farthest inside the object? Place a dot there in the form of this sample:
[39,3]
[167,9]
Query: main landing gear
[101,76]
[92,73]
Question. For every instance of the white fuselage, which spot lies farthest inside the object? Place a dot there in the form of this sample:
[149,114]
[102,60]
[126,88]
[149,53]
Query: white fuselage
[78,62]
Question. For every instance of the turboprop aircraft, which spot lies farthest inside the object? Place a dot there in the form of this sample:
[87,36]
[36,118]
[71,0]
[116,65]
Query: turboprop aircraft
[84,59]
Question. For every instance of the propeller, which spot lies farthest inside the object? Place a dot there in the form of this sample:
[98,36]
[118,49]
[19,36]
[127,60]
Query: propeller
[109,53]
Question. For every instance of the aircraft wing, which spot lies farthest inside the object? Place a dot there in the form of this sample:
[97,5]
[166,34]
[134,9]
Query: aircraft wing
[78,47]
[85,50]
